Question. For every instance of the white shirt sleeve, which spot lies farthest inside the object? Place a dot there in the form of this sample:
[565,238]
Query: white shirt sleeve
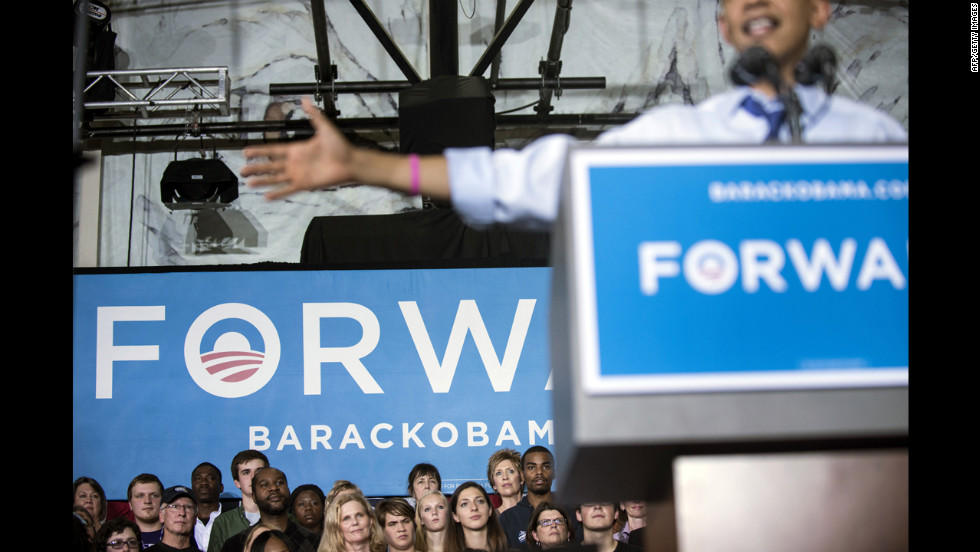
[514,187]
[522,187]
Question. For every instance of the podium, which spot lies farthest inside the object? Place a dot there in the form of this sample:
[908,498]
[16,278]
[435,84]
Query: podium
[726,302]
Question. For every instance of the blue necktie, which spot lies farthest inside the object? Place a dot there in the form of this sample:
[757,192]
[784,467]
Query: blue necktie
[775,119]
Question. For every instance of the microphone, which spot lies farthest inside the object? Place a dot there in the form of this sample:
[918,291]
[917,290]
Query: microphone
[819,64]
[755,64]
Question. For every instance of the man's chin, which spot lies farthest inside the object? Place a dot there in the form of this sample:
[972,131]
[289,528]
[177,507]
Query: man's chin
[185,529]
[277,511]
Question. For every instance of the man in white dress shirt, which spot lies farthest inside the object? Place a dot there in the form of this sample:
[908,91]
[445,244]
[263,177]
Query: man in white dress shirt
[206,484]
[522,187]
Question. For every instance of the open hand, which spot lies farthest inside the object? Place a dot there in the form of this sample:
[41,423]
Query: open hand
[319,161]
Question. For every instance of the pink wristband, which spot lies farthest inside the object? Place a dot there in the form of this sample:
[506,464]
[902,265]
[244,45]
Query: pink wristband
[413,161]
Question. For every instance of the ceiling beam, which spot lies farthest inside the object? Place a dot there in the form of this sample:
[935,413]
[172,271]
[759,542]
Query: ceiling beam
[386,41]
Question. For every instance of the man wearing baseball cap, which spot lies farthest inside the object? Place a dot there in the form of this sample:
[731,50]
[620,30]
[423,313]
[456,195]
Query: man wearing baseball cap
[178,514]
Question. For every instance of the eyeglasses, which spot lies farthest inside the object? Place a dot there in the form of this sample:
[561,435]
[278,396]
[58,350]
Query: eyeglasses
[594,504]
[550,522]
[119,544]
[185,507]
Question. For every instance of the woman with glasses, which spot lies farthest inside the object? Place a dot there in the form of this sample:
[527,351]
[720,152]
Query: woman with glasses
[550,527]
[119,534]
[475,524]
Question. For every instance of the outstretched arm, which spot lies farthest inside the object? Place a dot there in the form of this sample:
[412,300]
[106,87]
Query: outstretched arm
[328,159]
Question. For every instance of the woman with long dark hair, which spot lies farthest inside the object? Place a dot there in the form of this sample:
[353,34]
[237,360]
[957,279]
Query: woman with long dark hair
[475,525]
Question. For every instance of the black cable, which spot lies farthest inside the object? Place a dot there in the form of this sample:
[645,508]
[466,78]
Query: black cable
[132,199]
[535,102]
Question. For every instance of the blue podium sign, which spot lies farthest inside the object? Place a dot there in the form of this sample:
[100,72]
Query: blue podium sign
[731,268]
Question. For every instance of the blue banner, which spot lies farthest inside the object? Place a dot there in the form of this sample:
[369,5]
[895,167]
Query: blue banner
[354,375]
[752,268]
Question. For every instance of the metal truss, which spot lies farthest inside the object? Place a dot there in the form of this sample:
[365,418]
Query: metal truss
[163,92]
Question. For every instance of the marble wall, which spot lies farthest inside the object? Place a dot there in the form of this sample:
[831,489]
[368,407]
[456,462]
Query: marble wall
[650,53]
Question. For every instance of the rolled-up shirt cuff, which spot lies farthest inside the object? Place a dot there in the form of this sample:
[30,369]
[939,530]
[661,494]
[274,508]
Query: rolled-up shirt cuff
[471,184]
[516,187]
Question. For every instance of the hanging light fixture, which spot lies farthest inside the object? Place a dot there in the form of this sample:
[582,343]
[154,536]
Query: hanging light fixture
[198,183]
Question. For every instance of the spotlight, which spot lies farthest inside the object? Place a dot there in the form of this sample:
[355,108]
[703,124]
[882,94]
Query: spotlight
[198,184]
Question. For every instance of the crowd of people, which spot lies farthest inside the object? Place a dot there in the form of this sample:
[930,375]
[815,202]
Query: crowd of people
[521,514]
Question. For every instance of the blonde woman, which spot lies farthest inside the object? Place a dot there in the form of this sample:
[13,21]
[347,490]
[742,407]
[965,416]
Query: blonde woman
[253,532]
[349,525]
[340,487]
[431,522]
[505,477]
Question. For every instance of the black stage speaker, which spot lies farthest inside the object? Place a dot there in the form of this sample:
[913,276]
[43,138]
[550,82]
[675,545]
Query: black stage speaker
[198,184]
[446,112]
